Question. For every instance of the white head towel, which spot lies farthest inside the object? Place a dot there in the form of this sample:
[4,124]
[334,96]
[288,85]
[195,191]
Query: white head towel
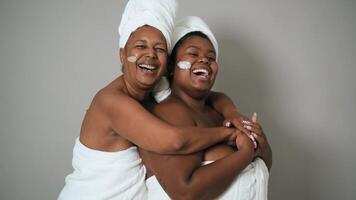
[192,24]
[156,13]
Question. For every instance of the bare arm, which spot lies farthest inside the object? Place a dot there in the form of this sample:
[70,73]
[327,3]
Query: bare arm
[132,121]
[226,107]
[183,177]
[222,103]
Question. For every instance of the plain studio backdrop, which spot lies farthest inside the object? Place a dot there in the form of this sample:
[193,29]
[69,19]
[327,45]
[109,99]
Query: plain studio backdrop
[293,62]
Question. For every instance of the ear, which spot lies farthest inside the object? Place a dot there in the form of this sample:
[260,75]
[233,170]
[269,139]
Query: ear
[122,55]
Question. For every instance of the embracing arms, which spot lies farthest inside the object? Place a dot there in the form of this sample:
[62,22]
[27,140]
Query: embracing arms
[131,120]
[225,106]
[183,177]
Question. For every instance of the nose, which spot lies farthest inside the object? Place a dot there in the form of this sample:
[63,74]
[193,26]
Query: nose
[151,53]
[203,60]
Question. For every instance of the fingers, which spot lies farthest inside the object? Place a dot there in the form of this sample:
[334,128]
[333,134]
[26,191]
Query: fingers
[260,139]
[254,117]
[253,140]
[237,124]
[253,127]
[227,123]
[244,141]
[255,130]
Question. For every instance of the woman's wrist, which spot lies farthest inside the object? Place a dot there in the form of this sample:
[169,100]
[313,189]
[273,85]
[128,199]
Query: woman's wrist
[229,112]
[248,152]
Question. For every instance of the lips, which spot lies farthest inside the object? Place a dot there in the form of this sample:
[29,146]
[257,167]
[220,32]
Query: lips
[201,72]
[147,67]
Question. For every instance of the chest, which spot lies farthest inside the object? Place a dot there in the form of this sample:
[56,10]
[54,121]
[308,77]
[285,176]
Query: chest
[207,118]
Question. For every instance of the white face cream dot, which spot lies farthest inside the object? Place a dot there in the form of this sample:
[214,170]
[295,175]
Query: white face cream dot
[132,59]
[184,64]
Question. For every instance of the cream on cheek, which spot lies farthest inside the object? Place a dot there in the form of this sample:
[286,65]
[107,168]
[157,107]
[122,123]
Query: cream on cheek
[132,59]
[183,64]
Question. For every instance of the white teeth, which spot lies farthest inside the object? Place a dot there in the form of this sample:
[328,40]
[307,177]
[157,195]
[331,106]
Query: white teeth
[150,67]
[201,72]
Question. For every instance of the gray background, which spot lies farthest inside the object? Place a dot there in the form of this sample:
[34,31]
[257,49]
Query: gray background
[294,62]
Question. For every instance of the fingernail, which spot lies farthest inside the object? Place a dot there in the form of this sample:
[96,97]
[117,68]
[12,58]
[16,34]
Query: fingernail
[246,122]
[254,117]
[254,135]
[228,124]
[253,141]
[247,127]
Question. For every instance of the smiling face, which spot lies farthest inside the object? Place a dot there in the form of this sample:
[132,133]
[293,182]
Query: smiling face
[144,57]
[200,77]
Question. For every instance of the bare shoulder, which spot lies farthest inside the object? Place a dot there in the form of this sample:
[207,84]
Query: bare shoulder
[174,111]
[110,98]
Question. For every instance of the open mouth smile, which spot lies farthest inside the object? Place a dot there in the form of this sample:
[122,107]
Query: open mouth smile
[147,67]
[203,73]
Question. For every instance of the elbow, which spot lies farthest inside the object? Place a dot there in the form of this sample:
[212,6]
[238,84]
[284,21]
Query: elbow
[174,144]
[188,195]
[185,197]
[187,190]
[185,194]
[178,143]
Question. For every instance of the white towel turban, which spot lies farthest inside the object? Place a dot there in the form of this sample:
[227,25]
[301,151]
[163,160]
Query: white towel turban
[156,13]
[192,24]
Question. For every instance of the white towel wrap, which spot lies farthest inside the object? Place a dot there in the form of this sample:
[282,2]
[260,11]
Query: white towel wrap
[105,175]
[250,184]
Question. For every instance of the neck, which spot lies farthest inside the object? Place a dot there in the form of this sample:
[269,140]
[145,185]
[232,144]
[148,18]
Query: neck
[196,101]
[140,94]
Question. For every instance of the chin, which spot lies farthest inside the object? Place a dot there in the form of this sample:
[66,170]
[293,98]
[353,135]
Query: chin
[147,84]
[203,87]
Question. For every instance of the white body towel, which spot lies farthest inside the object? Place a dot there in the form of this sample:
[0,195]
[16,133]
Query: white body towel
[250,184]
[102,175]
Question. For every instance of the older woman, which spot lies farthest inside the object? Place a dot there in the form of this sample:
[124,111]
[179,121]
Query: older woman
[197,176]
[105,159]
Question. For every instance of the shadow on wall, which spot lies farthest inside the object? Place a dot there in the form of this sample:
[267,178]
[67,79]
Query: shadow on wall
[242,75]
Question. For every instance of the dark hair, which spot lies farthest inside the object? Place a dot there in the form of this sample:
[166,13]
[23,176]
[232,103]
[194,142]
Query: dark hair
[172,60]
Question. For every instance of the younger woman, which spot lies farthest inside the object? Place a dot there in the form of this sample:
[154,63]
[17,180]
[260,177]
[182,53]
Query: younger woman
[193,71]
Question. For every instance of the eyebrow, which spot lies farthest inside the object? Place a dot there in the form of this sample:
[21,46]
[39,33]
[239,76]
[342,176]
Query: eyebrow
[193,46]
[145,41]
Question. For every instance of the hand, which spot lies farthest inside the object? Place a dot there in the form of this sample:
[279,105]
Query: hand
[243,141]
[253,126]
[240,122]
[235,119]
[264,150]
[232,139]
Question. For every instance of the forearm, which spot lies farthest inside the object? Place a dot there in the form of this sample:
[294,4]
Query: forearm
[268,158]
[193,139]
[209,181]
[222,103]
